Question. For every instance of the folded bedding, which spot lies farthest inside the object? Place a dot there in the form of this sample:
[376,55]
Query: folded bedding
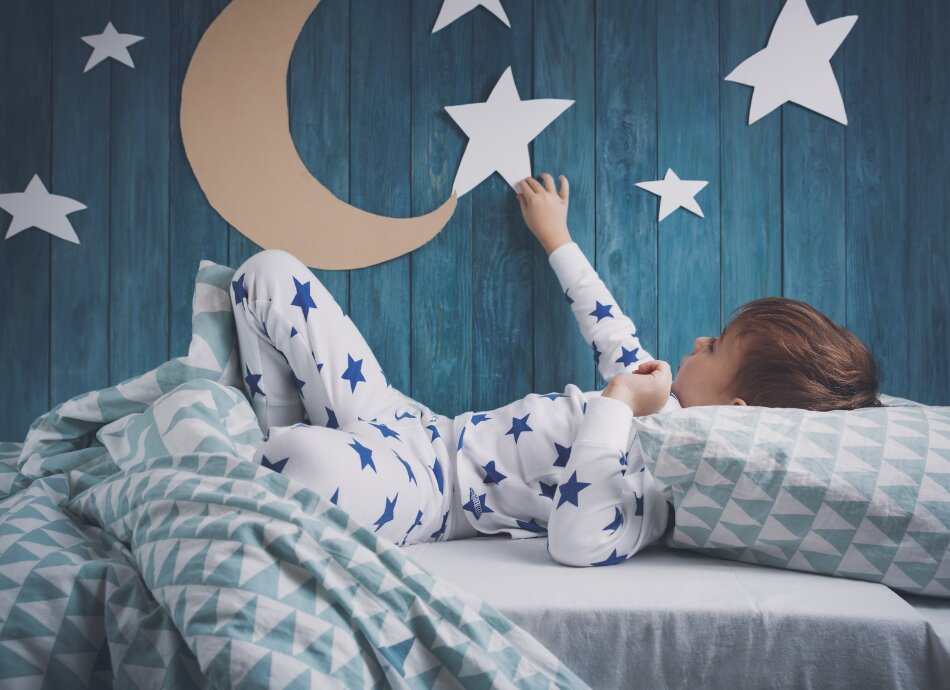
[141,546]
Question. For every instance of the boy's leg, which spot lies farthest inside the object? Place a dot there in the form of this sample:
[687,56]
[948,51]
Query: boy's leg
[302,357]
[378,478]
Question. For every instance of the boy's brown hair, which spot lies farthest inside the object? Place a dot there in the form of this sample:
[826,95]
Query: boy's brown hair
[795,356]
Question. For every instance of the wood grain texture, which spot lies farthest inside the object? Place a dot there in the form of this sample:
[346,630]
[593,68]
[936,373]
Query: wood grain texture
[139,169]
[26,72]
[196,231]
[380,170]
[813,193]
[625,153]
[502,247]
[875,93]
[441,347]
[750,165]
[79,273]
[688,116]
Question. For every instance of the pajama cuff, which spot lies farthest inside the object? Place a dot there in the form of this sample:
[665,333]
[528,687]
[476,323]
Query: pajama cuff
[569,264]
[606,422]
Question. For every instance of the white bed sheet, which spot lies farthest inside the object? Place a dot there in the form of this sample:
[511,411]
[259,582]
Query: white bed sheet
[670,618]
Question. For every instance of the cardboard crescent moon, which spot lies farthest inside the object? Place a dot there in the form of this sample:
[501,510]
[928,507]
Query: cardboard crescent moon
[235,127]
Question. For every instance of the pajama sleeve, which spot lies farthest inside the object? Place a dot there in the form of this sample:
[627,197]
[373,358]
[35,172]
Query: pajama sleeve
[604,510]
[610,333]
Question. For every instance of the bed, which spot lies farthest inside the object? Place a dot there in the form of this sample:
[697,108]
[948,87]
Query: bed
[670,618]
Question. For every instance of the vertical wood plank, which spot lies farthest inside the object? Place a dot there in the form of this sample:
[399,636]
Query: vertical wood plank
[139,251]
[688,114]
[320,111]
[442,268]
[813,195]
[502,247]
[196,231]
[564,28]
[79,323]
[625,150]
[878,271]
[750,165]
[380,96]
[25,74]
[927,229]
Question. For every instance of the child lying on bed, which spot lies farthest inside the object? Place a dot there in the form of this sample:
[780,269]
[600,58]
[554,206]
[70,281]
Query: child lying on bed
[564,465]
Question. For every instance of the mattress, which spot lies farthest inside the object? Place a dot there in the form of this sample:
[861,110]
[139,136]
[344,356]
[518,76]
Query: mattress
[670,618]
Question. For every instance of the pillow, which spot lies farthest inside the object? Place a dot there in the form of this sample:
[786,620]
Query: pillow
[861,493]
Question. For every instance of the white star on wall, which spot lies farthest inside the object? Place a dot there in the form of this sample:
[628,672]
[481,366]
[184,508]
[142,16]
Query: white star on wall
[453,9]
[110,43]
[796,65]
[675,193]
[499,131]
[36,207]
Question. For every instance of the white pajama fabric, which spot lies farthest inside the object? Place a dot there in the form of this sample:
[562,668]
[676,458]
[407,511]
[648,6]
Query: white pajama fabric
[562,465]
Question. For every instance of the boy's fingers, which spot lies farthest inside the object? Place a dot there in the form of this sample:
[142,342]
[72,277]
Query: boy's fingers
[526,188]
[521,201]
[535,185]
[565,187]
[548,182]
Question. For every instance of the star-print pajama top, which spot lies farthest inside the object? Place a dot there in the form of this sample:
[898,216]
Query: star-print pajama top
[567,463]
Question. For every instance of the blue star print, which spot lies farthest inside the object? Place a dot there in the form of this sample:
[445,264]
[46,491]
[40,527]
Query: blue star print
[252,381]
[437,535]
[293,331]
[602,311]
[639,510]
[493,476]
[435,431]
[553,396]
[547,490]
[563,455]
[597,353]
[531,526]
[618,520]
[628,357]
[461,436]
[385,430]
[570,489]
[479,418]
[331,419]
[297,382]
[437,469]
[417,521]
[518,426]
[387,515]
[366,455]
[478,509]
[403,415]
[276,466]
[405,464]
[240,294]
[335,496]
[612,558]
[303,299]
[354,371]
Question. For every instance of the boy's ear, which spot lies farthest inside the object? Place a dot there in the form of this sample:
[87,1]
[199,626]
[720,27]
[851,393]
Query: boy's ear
[738,401]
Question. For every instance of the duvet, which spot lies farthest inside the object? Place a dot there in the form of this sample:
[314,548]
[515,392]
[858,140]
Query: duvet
[141,547]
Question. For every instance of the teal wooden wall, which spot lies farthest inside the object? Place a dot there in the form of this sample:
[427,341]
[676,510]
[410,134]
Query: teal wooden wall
[854,220]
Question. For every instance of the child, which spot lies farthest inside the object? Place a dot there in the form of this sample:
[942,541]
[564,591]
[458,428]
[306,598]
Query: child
[561,465]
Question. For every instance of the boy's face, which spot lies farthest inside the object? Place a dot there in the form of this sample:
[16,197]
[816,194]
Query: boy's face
[705,377]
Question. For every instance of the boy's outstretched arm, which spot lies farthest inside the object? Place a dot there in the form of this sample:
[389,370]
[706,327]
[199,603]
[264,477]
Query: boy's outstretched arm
[605,328]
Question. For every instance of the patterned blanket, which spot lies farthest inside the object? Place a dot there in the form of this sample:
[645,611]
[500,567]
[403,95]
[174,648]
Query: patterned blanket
[141,547]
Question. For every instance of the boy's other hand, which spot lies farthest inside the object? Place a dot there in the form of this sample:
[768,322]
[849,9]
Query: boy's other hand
[545,210]
[646,390]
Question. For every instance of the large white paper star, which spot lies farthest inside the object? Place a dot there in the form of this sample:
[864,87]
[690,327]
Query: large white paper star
[675,193]
[36,207]
[796,65]
[453,9]
[499,131]
[110,43]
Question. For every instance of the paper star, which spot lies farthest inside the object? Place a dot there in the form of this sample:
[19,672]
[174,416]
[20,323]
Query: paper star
[675,193]
[36,207]
[453,9]
[110,43]
[499,131]
[796,65]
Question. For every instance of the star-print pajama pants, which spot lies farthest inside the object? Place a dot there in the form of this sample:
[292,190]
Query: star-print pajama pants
[331,419]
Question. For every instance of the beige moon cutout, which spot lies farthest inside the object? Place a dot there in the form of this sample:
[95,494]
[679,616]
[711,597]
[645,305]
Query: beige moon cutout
[235,127]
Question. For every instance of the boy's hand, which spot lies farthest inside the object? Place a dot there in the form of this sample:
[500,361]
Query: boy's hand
[545,210]
[646,390]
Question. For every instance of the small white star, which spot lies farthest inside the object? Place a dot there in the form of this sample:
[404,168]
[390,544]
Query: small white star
[110,43]
[453,9]
[499,131]
[796,65]
[36,207]
[675,193]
